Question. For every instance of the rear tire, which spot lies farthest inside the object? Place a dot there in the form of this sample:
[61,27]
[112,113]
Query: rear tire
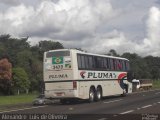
[91,95]
[63,101]
[98,94]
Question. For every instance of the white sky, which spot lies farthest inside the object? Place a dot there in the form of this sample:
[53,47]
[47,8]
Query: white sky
[93,25]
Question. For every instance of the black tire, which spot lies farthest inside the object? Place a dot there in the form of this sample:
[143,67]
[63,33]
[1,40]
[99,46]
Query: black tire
[98,94]
[91,95]
[63,101]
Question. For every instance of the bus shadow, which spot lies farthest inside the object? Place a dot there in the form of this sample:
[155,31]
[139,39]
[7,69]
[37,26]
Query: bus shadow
[80,101]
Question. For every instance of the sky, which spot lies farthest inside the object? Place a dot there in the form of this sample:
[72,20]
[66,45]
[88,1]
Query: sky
[96,26]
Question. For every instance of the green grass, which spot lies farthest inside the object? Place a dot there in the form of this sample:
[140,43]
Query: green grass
[156,84]
[17,99]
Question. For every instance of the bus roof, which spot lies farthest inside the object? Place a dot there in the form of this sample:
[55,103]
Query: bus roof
[86,53]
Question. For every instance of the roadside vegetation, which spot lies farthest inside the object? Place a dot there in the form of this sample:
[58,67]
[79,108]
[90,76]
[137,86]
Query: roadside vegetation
[17,99]
[156,84]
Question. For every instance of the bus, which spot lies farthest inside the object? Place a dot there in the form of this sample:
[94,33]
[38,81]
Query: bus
[73,74]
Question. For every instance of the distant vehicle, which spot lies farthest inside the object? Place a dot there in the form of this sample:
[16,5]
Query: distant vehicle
[41,100]
[142,84]
[70,74]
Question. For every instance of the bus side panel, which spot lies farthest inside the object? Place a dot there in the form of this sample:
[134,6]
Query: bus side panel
[83,90]
[109,87]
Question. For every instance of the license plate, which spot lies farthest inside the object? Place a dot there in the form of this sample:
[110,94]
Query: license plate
[60,94]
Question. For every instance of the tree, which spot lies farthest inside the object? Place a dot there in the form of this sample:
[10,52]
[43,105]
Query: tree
[20,80]
[5,75]
[113,52]
[138,65]
[48,45]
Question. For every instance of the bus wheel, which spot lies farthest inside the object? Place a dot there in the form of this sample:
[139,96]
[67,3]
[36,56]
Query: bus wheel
[98,94]
[63,101]
[91,95]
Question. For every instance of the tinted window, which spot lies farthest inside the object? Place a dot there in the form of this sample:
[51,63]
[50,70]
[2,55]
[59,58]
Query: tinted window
[79,61]
[57,54]
[89,62]
[86,62]
[83,61]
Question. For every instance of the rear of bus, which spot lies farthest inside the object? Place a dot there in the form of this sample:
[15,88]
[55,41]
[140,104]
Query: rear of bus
[58,74]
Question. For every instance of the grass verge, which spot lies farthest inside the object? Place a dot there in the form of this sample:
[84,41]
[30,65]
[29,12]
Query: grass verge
[17,99]
[156,84]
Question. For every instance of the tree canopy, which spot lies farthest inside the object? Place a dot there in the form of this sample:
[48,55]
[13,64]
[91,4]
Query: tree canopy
[27,63]
[26,58]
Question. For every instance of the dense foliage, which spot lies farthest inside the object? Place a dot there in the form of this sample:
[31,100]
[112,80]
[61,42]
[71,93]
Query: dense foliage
[5,75]
[143,67]
[26,63]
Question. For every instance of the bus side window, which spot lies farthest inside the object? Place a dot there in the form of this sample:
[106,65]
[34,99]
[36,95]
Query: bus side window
[114,65]
[100,62]
[90,60]
[95,62]
[79,61]
[83,61]
[119,65]
[111,64]
[127,66]
[105,63]
[86,62]
[124,66]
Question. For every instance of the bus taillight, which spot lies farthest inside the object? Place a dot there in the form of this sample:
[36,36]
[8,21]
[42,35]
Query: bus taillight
[74,85]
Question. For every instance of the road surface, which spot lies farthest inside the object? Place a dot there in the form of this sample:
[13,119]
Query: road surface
[141,105]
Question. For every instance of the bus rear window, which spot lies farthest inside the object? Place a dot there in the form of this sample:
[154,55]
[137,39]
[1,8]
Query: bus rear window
[57,54]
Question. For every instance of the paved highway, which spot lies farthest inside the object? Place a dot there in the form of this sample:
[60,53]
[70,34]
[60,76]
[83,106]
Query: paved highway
[141,104]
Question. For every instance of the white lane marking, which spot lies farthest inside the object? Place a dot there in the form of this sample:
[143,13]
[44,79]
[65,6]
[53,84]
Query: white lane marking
[157,93]
[146,106]
[70,108]
[154,103]
[127,112]
[102,119]
[22,109]
[113,101]
[158,102]
[138,108]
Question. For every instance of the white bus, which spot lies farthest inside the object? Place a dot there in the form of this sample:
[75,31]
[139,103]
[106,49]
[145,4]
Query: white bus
[70,73]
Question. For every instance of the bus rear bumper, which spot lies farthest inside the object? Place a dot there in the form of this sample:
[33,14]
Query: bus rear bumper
[55,94]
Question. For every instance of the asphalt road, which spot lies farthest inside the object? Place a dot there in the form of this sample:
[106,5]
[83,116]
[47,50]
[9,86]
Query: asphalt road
[141,105]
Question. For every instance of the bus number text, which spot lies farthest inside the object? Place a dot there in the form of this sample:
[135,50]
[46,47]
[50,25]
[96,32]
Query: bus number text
[57,67]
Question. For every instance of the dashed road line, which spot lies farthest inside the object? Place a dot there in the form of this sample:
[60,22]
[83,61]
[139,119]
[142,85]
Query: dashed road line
[22,109]
[154,103]
[115,115]
[126,112]
[158,102]
[138,108]
[113,101]
[102,119]
[157,93]
[146,106]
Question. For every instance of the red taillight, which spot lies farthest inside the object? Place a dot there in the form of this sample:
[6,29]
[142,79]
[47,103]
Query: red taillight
[74,84]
